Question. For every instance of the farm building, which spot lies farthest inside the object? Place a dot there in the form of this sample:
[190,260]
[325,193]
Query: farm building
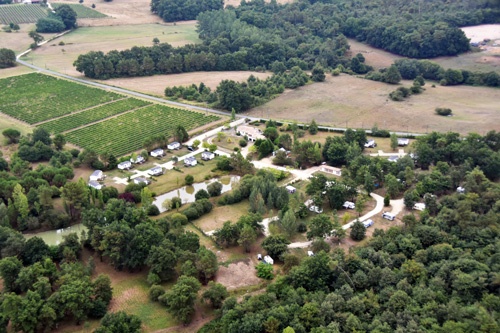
[157,153]
[207,156]
[250,132]
[403,141]
[174,145]
[156,171]
[190,161]
[332,170]
[125,165]
[138,160]
[95,184]
[140,180]
[97,175]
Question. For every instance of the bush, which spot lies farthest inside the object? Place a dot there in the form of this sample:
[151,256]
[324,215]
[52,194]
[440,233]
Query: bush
[189,179]
[264,271]
[319,244]
[152,211]
[155,292]
[176,202]
[387,200]
[243,143]
[358,231]
[214,189]
[443,111]
[201,194]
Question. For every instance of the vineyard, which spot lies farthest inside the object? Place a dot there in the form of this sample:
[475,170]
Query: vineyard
[81,11]
[21,13]
[89,116]
[34,97]
[127,132]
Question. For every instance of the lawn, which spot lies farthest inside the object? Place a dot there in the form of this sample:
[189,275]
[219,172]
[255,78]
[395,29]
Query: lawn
[349,101]
[36,97]
[220,214]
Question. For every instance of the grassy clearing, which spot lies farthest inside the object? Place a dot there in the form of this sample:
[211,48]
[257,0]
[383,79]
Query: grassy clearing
[82,11]
[36,97]
[107,38]
[348,101]
[220,214]
[126,133]
[18,41]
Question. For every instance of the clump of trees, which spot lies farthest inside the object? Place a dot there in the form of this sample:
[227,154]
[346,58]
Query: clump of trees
[443,111]
[175,10]
[7,58]
[64,18]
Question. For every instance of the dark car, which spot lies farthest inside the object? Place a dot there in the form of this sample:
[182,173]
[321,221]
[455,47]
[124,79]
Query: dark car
[190,148]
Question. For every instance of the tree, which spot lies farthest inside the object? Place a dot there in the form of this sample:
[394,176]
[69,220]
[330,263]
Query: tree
[41,134]
[313,127]
[206,263]
[189,180]
[180,134]
[410,198]
[276,246]
[67,15]
[75,197]
[156,41]
[214,189]
[215,294]
[49,25]
[320,226]
[180,299]
[318,73]
[102,288]
[358,231]
[119,322]
[10,268]
[247,237]
[7,58]
[289,223]
[392,75]
[20,201]
[201,194]
[162,261]
[59,141]
[393,185]
[37,38]
[394,141]
[11,134]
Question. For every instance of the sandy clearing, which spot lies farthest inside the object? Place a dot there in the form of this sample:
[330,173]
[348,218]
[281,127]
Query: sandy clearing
[156,84]
[377,58]
[348,101]
[479,32]
[237,275]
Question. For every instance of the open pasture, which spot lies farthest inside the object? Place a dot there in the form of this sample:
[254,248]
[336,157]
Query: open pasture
[348,101]
[126,133]
[92,115]
[21,13]
[36,97]
[82,11]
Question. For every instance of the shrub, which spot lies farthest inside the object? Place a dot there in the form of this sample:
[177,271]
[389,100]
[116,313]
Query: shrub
[243,143]
[176,202]
[189,179]
[155,292]
[153,210]
[443,111]
[214,189]
[319,244]
[358,231]
[264,271]
[387,200]
[201,194]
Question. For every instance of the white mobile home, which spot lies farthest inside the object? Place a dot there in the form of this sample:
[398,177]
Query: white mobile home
[157,153]
[95,184]
[97,175]
[174,145]
[125,165]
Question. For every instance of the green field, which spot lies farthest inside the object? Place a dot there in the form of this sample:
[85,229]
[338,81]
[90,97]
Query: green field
[82,11]
[36,97]
[21,13]
[126,133]
[89,116]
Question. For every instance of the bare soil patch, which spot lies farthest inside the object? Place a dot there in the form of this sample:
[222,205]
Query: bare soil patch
[237,275]
[156,85]
[348,101]
[480,32]
[377,58]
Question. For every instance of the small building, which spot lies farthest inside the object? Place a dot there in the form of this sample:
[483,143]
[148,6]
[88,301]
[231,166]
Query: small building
[95,184]
[393,158]
[370,144]
[331,170]
[207,156]
[290,189]
[252,133]
[157,153]
[190,161]
[174,145]
[156,171]
[125,165]
[403,141]
[138,160]
[97,175]
[140,180]
[268,260]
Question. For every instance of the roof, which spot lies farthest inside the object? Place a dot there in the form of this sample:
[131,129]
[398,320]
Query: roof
[96,173]
[393,158]
[175,143]
[125,163]
[141,180]
[403,140]
[190,159]
[156,169]
[249,130]
[207,153]
[157,150]
[290,187]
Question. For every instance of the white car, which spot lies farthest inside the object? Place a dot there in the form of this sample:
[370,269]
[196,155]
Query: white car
[349,205]
[316,209]
[368,223]
[388,216]
[370,144]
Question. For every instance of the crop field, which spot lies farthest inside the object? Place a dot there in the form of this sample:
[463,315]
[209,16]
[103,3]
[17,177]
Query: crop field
[36,97]
[21,13]
[89,116]
[126,133]
[82,11]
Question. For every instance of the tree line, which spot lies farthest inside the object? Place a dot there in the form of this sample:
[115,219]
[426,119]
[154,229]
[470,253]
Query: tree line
[63,18]
[175,10]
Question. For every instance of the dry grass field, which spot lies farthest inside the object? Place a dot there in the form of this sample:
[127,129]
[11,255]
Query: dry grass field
[348,101]
[61,57]
[18,41]
[155,85]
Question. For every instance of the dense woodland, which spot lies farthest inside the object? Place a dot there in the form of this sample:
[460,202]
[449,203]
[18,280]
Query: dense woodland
[175,10]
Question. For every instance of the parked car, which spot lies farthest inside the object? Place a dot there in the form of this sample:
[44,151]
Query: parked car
[349,205]
[368,223]
[316,209]
[190,148]
[388,216]
[370,144]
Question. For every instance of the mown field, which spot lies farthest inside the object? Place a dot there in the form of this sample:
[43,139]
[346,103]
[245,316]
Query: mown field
[82,11]
[21,13]
[127,132]
[92,115]
[36,97]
